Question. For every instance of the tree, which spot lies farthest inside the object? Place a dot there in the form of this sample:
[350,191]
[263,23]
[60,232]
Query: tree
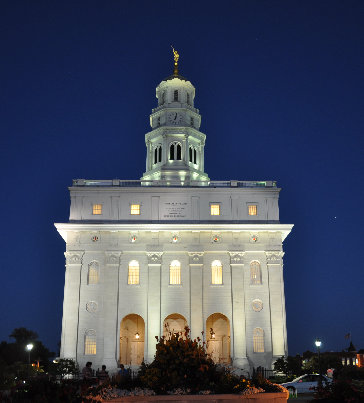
[23,335]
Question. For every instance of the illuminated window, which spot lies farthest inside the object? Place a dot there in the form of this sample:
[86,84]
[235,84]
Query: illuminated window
[97,209]
[215,209]
[90,342]
[135,209]
[216,272]
[258,340]
[133,272]
[175,272]
[252,209]
[255,273]
[93,273]
[175,95]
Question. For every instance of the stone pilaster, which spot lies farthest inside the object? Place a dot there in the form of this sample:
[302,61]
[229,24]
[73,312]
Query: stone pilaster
[238,309]
[153,304]
[196,293]
[71,304]
[277,303]
[110,308]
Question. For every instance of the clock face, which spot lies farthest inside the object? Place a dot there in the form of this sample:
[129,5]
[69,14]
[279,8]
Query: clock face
[174,118]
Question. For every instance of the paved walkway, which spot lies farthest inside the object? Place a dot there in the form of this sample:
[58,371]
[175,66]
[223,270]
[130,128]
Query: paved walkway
[302,398]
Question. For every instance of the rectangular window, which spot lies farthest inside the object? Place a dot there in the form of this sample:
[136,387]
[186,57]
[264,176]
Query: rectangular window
[252,209]
[90,344]
[133,275]
[175,95]
[135,209]
[215,209]
[175,275]
[96,209]
[216,274]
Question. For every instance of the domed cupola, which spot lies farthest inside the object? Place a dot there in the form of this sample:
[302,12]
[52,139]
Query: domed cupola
[175,146]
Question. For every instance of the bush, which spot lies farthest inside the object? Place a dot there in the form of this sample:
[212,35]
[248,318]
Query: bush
[341,391]
[180,362]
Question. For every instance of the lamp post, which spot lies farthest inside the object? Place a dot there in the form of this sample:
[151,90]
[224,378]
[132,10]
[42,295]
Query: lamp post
[318,345]
[29,348]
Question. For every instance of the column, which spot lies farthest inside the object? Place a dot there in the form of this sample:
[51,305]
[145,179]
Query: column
[110,308]
[238,308]
[71,302]
[153,323]
[196,293]
[277,303]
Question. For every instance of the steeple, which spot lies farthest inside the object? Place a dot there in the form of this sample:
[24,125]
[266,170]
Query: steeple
[175,146]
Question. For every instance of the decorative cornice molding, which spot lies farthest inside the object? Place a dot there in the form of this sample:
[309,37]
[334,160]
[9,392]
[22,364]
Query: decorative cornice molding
[274,257]
[236,257]
[154,257]
[195,257]
[74,257]
[112,257]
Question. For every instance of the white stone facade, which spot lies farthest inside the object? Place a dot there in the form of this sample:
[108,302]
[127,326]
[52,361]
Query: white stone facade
[172,261]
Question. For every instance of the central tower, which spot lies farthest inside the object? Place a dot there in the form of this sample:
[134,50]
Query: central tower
[175,146]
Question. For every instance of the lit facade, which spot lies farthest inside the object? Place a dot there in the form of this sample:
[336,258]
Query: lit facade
[174,249]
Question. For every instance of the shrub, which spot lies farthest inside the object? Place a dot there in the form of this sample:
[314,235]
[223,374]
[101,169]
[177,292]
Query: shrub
[180,362]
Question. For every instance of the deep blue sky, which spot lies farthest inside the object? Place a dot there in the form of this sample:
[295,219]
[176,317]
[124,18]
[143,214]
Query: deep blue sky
[280,88]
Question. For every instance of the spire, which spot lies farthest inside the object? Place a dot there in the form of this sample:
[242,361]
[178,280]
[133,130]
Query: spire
[176,57]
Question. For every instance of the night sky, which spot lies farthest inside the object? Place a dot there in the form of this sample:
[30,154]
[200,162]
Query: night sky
[280,88]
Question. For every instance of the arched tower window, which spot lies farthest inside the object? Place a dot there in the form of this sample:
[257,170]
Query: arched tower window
[90,342]
[133,272]
[175,272]
[175,151]
[188,98]
[175,95]
[155,155]
[258,340]
[255,273]
[93,273]
[216,272]
[193,155]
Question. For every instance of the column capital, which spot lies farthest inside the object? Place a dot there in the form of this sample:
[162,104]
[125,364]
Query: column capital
[274,257]
[195,258]
[154,258]
[112,257]
[74,257]
[236,257]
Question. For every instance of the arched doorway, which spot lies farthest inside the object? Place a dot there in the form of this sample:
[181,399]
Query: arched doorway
[218,338]
[132,330]
[174,323]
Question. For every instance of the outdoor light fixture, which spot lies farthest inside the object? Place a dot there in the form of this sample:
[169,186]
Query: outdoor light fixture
[318,345]
[29,348]
[137,335]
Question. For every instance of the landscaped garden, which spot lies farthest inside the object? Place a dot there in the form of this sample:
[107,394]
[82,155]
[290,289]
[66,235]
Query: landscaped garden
[181,367]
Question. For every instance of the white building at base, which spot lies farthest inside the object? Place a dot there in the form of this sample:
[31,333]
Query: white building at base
[174,249]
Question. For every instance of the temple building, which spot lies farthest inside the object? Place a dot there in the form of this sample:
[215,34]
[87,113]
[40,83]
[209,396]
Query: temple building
[174,249]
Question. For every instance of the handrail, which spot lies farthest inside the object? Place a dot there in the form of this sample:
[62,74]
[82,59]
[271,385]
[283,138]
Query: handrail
[164,183]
